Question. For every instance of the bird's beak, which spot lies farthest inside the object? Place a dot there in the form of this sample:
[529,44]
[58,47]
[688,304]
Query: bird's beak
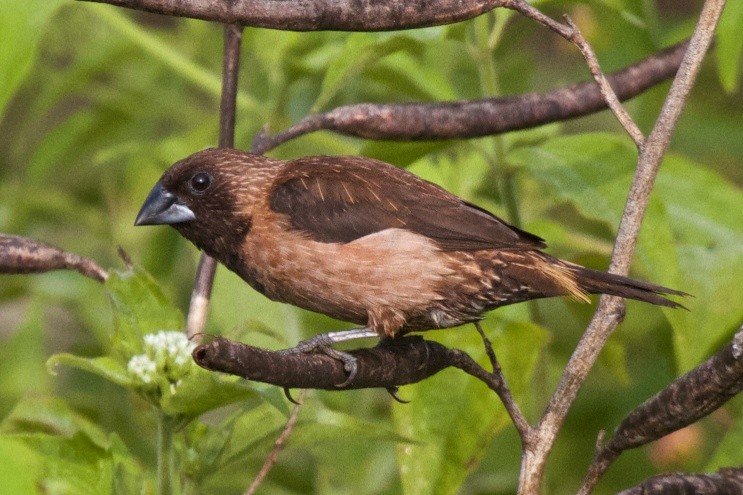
[162,207]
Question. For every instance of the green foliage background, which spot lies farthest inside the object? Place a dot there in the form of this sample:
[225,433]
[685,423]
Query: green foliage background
[95,102]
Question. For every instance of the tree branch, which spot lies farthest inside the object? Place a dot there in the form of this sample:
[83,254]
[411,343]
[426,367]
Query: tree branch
[23,255]
[475,118]
[726,481]
[686,400]
[319,15]
[400,361]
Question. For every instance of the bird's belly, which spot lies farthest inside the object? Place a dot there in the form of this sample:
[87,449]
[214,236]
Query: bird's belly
[393,268]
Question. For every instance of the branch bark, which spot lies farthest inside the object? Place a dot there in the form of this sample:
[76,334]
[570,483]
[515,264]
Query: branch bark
[686,400]
[405,360]
[319,15]
[22,255]
[400,361]
[726,481]
[476,118]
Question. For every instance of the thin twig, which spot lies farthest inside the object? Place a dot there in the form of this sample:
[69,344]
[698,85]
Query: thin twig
[611,309]
[607,91]
[504,391]
[278,446]
[199,307]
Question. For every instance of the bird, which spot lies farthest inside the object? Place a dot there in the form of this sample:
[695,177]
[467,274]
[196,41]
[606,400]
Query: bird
[366,242]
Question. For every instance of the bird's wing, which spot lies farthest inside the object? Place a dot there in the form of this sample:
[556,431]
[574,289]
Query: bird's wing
[340,199]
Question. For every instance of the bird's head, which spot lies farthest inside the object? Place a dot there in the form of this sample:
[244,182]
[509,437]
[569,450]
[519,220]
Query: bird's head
[209,197]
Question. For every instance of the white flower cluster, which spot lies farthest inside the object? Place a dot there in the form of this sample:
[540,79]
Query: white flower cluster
[166,354]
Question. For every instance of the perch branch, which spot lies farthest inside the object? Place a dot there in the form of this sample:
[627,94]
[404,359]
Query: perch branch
[401,361]
[512,407]
[475,118]
[611,309]
[199,307]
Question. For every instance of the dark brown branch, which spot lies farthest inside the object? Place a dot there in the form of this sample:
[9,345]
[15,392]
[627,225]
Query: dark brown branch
[726,481]
[467,119]
[24,255]
[317,15]
[199,307]
[406,360]
[686,400]
[401,361]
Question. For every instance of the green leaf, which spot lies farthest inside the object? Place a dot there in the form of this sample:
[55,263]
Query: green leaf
[690,240]
[21,27]
[447,171]
[202,391]
[140,307]
[76,456]
[52,416]
[174,59]
[453,417]
[730,46]
[105,367]
[361,51]
[24,346]
[20,467]
[318,426]
[704,210]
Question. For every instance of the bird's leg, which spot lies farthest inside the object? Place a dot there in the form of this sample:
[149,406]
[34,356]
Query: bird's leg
[323,342]
[488,347]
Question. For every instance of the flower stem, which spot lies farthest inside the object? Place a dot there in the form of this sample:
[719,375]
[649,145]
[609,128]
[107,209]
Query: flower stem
[165,458]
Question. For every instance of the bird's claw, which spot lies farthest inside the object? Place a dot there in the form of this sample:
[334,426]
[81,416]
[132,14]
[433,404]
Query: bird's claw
[393,392]
[291,399]
[350,363]
[322,343]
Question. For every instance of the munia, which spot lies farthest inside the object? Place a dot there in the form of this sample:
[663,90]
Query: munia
[364,241]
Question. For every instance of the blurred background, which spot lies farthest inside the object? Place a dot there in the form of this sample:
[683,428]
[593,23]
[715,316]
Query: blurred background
[96,101]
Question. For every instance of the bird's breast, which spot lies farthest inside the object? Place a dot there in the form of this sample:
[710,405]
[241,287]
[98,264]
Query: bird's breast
[392,268]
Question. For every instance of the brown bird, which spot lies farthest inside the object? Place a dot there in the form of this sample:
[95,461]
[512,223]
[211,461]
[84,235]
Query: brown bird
[364,241]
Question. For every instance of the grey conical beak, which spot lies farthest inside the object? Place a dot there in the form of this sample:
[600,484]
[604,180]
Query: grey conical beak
[162,207]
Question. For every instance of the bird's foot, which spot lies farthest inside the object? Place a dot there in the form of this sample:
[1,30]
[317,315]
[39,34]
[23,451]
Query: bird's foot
[323,342]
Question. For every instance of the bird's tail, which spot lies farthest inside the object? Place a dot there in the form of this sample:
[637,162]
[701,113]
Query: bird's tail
[596,282]
[534,274]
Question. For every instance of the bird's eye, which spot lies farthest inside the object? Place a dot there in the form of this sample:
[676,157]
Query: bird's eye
[200,182]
